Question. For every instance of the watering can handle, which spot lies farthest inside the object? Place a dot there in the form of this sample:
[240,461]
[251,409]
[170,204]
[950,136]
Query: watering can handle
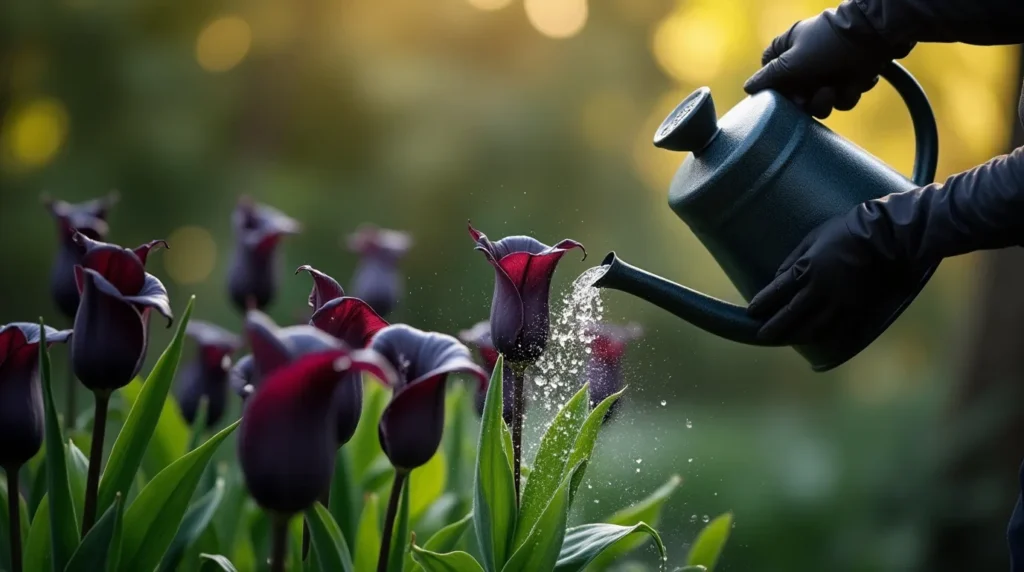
[729,320]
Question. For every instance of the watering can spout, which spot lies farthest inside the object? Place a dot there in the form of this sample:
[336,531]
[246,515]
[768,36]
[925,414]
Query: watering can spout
[706,312]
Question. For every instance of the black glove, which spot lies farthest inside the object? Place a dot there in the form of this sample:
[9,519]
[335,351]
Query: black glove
[846,262]
[827,61]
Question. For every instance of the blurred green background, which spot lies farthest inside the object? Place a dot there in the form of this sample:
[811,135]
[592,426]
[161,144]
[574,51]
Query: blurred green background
[536,116]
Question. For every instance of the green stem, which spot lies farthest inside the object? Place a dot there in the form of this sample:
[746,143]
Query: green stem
[14,515]
[389,520]
[92,484]
[71,407]
[279,542]
[518,411]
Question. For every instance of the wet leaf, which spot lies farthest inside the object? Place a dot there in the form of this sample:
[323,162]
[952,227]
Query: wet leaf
[494,494]
[710,542]
[583,544]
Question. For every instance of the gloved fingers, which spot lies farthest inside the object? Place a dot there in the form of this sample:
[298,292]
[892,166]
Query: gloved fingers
[815,325]
[778,45]
[794,257]
[847,99]
[781,326]
[822,102]
[773,296]
[777,74]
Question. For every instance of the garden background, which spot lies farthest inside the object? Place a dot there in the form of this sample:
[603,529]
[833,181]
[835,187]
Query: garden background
[537,117]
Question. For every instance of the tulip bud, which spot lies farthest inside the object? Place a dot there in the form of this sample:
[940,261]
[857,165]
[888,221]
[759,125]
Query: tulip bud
[377,280]
[252,278]
[88,218]
[207,374]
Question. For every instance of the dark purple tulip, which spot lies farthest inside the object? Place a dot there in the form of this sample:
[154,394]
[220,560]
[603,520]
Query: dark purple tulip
[604,368]
[207,374]
[523,268]
[354,323]
[112,322]
[88,218]
[252,278]
[242,378]
[377,280]
[287,442]
[479,336]
[412,423]
[21,398]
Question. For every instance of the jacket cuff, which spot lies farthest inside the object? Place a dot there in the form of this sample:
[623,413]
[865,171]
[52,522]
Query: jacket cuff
[877,15]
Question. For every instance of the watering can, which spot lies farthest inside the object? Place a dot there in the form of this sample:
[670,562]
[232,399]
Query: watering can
[757,181]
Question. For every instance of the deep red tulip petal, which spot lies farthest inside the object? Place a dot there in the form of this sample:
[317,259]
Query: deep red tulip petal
[351,320]
[210,335]
[143,251]
[119,266]
[507,311]
[412,424]
[325,288]
[110,338]
[11,338]
[269,351]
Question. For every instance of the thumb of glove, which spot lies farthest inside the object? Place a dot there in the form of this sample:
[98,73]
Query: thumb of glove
[776,74]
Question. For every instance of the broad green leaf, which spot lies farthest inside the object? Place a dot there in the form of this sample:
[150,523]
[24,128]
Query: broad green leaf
[172,435]
[295,528]
[439,514]
[364,446]
[37,554]
[449,562]
[710,542]
[141,424]
[328,541]
[448,537]
[648,511]
[400,537]
[427,483]
[196,520]
[377,475]
[455,436]
[548,468]
[244,552]
[368,536]
[116,537]
[63,518]
[691,569]
[229,520]
[198,429]
[343,504]
[98,547]
[78,474]
[217,562]
[544,543]
[5,540]
[583,544]
[494,493]
[584,445]
[153,519]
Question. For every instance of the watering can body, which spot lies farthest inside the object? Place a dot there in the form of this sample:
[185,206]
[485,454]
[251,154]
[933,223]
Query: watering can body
[757,181]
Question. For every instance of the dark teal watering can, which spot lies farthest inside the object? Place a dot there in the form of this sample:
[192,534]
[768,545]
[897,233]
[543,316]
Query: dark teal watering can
[756,182]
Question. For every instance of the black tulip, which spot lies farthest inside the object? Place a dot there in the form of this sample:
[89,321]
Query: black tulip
[604,367]
[377,279]
[253,272]
[479,336]
[88,218]
[207,374]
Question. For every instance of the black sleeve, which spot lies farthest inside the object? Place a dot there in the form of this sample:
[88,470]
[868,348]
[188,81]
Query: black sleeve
[979,22]
[979,209]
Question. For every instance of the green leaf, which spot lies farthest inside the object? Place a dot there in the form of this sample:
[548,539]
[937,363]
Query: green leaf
[98,548]
[153,519]
[37,553]
[63,518]
[710,542]
[170,438]
[5,541]
[295,528]
[377,475]
[548,469]
[78,474]
[198,428]
[691,569]
[217,562]
[583,544]
[364,446]
[544,543]
[426,484]
[648,511]
[142,421]
[368,536]
[450,562]
[494,493]
[196,520]
[343,504]
[584,445]
[116,537]
[399,539]
[328,541]
[448,537]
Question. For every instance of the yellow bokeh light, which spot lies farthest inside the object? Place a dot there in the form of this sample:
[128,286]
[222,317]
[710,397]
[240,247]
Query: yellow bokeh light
[223,43]
[191,256]
[489,4]
[691,45]
[557,18]
[34,132]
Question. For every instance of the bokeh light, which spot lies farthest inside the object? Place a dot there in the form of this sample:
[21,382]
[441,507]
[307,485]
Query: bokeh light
[691,45]
[557,18]
[34,133]
[223,43]
[192,255]
[489,4]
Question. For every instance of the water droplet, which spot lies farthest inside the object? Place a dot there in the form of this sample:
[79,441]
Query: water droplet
[706,519]
[664,403]
[588,350]
[693,518]
[638,470]
[638,461]
[690,460]
[596,501]
[689,424]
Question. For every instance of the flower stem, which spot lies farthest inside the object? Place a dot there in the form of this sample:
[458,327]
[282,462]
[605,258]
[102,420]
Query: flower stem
[71,412]
[92,484]
[279,542]
[14,515]
[389,520]
[518,411]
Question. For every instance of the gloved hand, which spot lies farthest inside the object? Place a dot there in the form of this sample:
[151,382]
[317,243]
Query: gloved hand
[827,61]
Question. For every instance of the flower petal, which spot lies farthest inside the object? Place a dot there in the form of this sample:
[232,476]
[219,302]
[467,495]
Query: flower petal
[88,217]
[370,240]
[242,376]
[325,288]
[153,295]
[110,338]
[118,265]
[269,351]
[412,424]
[143,251]
[507,313]
[260,226]
[609,340]
[19,342]
[215,343]
[351,320]
[419,355]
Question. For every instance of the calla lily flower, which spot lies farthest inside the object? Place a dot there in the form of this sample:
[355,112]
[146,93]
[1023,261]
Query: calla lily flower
[21,398]
[604,368]
[411,426]
[88,218]
[207,374]
[354,323]
[523,268]
[479,337]
[287,440]
[377,280]
[111,326]
[252,278]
